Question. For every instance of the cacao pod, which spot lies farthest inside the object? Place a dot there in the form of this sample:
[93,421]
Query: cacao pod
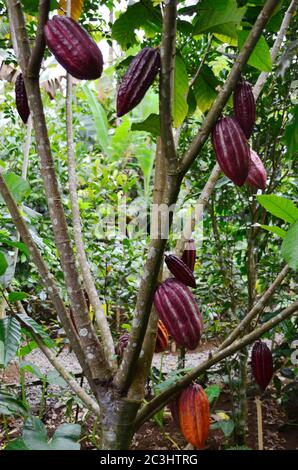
[179,311]
[180,270]
[262,364]
[245,107]
[73,48]
[138,78]
[257,175]
[162,338]
[122,343]
[189,255]
[232,149]
[21,98]
[194,415]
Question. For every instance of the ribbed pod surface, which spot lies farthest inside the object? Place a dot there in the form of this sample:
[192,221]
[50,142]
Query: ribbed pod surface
[194,415]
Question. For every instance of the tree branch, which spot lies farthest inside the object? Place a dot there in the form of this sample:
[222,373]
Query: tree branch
[40,44]
[167,52]
[161,400]
[91,347]
[105,333]
[276,46]
[256,309]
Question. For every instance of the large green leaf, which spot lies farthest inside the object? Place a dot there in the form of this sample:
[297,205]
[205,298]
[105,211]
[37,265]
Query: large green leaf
[205,89]
[151,124]
[18,187]
[289,248]
[21,246]
[181,86]
[218,16]
[121,139]
[35,435]
[279,206]
[100,119]
[291,135]
[66,437]
[10,339]
[260,57]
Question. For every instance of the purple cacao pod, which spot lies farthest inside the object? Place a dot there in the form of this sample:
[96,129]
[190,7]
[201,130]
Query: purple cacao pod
[231,149]
[21,98]
[179,311]
[180,270]
[73,48]
[257,175]
[262,364]
[138,78]
[245,107]
[189,255]
[122,344]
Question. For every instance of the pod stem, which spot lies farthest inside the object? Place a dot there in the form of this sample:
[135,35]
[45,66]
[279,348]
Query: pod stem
[260,422]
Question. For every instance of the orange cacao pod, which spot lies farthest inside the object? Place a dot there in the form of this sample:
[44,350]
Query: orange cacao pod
[162,338]
[194,415]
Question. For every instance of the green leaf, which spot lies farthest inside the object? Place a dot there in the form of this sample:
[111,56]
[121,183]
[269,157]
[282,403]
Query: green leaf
[31,6]
[35,435]
[21,246]
[121,139]
[205,89]
[226,426]
[38,329]
[32,369]
[181,86]
[213,392]
[218,16]
[10,339]
[277,230]
[260,57]
[10,405]
[17,444]
[15,296]
[289,248]
[66,437]
[53,377]
[151,125]
[3,263]
[100,119]
[279,206]
[139,15]
[18,187]
[290,138]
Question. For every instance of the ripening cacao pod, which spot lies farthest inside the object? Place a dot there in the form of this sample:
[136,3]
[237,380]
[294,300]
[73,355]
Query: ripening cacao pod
[162,338]
[174,409]
[21,98]
[73,48]
[122,343]
[179,311]
[194,415]
[257,175]
[245,107]
[138,78]
[189,255]
[180,270]
[262,364]
[232,149]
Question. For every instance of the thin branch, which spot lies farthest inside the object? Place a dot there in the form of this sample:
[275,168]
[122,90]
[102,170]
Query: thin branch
[202,63]
[161,400]
[276,46]
[256,309]
[222,98]
[92,350]
[40,44]
[105,333]
[167,52]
